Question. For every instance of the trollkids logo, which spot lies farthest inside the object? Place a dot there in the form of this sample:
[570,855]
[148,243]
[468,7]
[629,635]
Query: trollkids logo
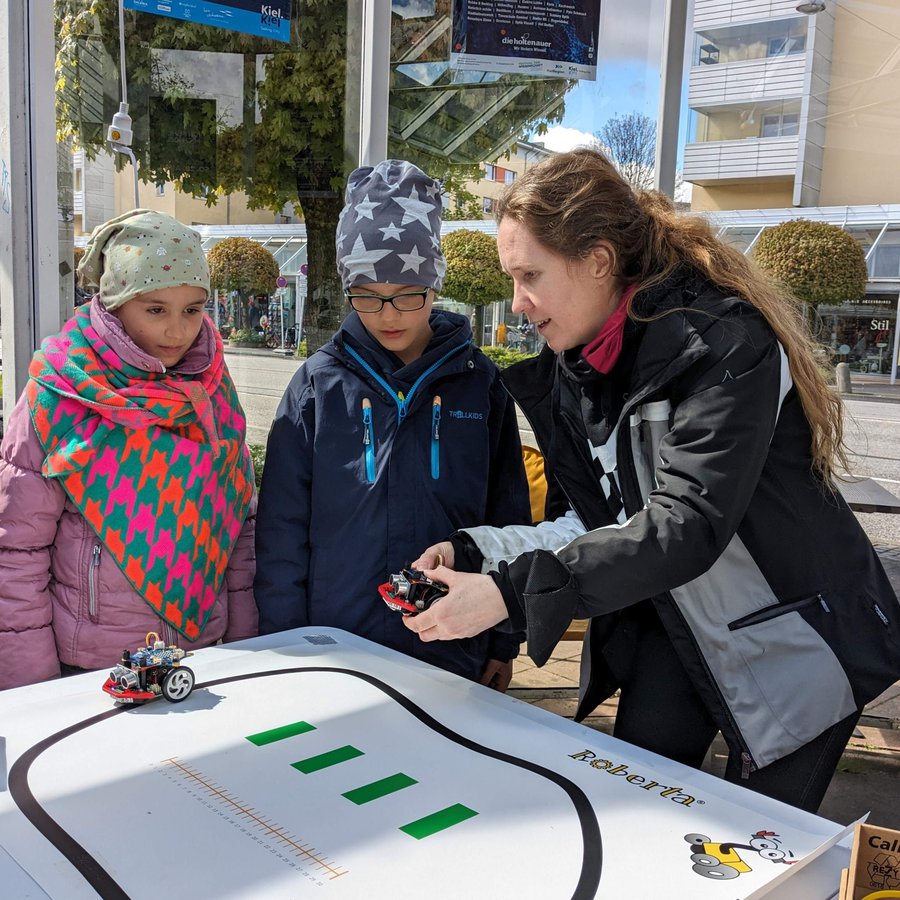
[464,414]
[675,794]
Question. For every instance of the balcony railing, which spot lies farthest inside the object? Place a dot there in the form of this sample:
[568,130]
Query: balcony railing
[708,13]
[750,158]
[747,81]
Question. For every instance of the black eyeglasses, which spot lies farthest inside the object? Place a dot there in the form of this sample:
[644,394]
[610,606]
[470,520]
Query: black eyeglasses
[408,301]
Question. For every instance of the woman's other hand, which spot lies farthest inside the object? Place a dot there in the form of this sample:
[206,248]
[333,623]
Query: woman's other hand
[497,674]
[472,605]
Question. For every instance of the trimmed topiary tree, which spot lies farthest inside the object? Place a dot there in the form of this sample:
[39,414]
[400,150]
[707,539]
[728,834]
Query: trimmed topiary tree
[819,263]
[474,275]
[242,265]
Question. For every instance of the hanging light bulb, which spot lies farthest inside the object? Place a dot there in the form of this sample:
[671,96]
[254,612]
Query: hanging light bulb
[811,7]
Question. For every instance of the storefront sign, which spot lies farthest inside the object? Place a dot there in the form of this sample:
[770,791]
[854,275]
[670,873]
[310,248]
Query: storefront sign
[540,37]
[270,20]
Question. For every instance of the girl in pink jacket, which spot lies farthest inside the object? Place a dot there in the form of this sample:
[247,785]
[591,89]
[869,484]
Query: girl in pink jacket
[126,487]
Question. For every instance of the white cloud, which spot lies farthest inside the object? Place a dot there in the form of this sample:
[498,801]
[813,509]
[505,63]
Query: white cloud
[559,139]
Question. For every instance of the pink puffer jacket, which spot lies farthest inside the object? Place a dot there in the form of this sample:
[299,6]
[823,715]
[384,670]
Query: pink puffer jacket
[62,596]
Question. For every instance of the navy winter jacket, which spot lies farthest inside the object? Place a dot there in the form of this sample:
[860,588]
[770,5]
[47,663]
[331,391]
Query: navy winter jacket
[370,461]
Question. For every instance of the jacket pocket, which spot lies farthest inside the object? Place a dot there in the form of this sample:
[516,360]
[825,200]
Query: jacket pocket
[864,632]
[94,584]
[776,610]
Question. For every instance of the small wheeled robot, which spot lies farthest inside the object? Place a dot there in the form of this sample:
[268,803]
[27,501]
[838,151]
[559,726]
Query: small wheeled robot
[411,591]
[149,672]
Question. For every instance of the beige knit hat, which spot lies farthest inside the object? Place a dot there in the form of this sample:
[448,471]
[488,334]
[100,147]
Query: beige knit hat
[142,251]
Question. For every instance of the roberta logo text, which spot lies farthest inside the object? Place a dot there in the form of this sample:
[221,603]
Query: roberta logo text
[675,794]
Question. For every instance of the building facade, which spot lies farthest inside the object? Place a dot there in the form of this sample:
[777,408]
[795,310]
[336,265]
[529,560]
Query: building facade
[798,116]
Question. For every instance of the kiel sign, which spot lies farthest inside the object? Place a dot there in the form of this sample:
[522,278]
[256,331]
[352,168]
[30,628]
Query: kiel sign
[269,20]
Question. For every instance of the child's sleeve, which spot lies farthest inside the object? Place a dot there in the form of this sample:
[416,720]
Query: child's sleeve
[282,522]
[243,619]
[30,509]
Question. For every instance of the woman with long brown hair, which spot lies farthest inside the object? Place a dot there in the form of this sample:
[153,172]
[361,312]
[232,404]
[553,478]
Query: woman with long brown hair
[691,446]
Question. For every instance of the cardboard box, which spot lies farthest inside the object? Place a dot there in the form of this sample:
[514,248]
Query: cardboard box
[874,864]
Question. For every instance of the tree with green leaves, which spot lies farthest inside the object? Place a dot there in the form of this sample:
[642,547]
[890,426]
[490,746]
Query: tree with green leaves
[287,139]
[474,275]
[819,263]
[239,264]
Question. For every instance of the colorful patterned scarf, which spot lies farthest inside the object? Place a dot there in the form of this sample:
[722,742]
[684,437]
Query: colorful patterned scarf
[156,463]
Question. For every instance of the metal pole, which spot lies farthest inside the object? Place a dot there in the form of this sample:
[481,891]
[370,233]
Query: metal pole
[29,213]
[670,75]
[894,359]
[375,73]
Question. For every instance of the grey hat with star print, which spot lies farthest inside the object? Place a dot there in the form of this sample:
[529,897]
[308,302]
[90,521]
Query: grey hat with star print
[389,231]
[142,251]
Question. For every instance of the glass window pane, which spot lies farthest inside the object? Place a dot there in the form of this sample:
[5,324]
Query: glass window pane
[477,129]
[249,136]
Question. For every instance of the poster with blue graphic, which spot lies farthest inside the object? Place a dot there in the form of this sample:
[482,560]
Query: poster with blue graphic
[531,37]
[270,20]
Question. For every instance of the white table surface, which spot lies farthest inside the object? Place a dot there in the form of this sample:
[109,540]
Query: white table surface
[174,799]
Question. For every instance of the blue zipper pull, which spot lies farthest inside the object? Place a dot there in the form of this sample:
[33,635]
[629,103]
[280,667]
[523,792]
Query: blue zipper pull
[368,439]
[435,437]
[402,406]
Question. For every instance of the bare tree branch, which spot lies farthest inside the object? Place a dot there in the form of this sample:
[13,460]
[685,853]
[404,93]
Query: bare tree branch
[630,142]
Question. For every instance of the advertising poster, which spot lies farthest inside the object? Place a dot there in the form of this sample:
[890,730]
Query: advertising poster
[532,37]
[270,20]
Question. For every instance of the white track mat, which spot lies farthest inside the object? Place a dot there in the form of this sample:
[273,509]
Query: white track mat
[315,764]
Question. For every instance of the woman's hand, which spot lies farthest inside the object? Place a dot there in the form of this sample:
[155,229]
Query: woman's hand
[436,555]
[472,605]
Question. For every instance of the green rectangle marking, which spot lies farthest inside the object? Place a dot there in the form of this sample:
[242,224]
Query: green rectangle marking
[324,760]
[445,818]
[380,788]
[279,734]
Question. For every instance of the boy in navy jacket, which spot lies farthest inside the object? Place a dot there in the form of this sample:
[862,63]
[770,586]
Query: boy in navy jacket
[393,435]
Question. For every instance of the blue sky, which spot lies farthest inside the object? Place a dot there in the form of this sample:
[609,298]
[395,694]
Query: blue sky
[630,46]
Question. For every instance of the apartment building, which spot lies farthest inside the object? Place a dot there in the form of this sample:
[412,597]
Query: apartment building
[783,104]
[500,173]
[797,115]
